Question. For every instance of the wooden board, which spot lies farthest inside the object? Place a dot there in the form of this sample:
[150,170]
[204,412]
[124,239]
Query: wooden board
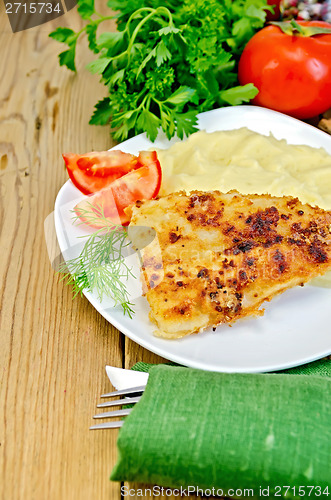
[53,349]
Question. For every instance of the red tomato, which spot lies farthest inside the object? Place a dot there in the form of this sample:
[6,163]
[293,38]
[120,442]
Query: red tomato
[141,184]
[93,171]
[291,72]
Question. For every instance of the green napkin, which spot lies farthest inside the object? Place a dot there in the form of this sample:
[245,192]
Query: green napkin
[320,367]
[261,432]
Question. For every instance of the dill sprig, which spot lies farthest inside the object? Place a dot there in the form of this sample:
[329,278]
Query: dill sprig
[101,266]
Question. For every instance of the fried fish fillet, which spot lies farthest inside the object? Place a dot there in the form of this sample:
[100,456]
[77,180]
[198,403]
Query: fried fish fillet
[216,258]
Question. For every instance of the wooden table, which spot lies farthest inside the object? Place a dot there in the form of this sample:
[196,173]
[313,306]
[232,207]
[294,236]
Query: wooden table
[53,349]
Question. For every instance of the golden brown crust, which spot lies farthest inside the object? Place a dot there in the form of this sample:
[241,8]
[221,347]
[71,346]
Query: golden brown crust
[217,257]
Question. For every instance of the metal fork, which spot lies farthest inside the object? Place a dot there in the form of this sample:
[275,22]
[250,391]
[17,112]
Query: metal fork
[117,402]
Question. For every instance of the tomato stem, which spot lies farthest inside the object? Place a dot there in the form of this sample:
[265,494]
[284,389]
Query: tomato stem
[292,28]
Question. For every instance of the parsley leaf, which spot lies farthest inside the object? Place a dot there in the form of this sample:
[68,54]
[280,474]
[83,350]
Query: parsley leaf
[102,113]
[86,8]
[91,31]
[149,122]
[99,65]
[181,95]
[238,95]
[62,34]
[186,123]
[109,40]
[67,58]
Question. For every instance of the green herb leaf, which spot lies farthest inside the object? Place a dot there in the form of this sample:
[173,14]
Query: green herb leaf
[242,28]
[102,113]
[149,56]
[162,53]
[149,123]
[121,133]
[168,30]
[85,8]
[63,35]
[101,267]
[99,65]
[240,94]
[212,83]
[186,123]
[67,58]
[91,31]
[115,77]
[109,40]
[255,13]
[115,4]
[181,95]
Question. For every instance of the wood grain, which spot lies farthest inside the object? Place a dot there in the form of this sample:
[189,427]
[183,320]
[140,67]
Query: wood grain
[53,348]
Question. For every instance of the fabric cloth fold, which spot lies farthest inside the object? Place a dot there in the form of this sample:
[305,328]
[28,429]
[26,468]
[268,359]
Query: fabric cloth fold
[218,430]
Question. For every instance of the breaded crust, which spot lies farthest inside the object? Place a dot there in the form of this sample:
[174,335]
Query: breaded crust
[217,257]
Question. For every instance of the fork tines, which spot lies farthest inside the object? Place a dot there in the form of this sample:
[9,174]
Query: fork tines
[117,402]
[122,392]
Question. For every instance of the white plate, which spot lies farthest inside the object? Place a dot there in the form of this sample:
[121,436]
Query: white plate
[296,326]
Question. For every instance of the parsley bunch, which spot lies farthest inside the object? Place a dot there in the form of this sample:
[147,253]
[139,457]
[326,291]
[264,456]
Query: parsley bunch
[168,61]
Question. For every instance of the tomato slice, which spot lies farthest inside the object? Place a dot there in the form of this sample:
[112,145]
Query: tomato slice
[93,171]
[141,184]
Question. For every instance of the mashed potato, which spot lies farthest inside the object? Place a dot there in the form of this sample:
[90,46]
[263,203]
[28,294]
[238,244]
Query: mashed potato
[251,163]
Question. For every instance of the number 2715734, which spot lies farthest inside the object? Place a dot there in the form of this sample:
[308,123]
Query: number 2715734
[301,491]
[32,8]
